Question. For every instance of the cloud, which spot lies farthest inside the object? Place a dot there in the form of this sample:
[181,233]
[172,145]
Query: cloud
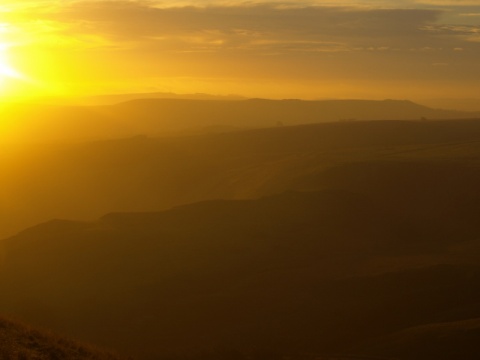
[269,26]
[141,40]
[467,33]
[449,2]
[243,27]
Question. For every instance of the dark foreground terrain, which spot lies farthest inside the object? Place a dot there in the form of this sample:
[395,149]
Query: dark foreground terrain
[343,240]
[21,342]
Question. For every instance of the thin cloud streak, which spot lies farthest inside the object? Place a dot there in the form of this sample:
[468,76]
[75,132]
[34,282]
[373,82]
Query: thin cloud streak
[128,21]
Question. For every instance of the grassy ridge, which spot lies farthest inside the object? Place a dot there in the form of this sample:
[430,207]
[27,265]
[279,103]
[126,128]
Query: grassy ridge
[21,342]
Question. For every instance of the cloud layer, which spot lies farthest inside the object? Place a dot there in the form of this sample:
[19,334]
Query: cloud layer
[401,39]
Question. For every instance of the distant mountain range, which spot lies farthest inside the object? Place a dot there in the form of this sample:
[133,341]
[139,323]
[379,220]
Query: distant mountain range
[460,104]
[111,99]
[154,117]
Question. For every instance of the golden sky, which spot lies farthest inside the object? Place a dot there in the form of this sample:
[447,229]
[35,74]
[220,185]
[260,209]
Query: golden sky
[302,49]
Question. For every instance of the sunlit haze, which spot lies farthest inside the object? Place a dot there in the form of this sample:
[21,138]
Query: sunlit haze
[277,49]
[7,72]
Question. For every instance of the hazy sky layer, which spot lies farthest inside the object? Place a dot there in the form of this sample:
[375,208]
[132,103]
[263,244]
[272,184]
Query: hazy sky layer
[309,49]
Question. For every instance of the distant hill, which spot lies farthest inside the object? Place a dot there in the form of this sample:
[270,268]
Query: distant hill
[113,99]
[19,341]
[464,104]
[41,123]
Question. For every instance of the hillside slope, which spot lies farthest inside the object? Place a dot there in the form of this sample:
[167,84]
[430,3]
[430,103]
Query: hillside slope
[18,341]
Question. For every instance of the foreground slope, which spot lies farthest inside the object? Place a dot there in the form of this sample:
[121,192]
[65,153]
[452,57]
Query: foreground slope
[18,341]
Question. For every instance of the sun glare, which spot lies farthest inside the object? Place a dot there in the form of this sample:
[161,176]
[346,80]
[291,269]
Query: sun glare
[7,72]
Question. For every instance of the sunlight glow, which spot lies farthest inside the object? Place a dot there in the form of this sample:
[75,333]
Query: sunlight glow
[7,72]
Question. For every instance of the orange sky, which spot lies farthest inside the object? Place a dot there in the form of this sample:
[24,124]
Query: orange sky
[302,49]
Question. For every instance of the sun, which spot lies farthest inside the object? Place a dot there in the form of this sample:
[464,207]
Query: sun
[7,72]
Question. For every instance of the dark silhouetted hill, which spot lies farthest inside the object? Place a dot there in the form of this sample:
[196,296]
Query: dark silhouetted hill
[447,340]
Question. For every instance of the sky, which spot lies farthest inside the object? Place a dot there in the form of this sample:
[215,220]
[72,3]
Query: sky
[278,49]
